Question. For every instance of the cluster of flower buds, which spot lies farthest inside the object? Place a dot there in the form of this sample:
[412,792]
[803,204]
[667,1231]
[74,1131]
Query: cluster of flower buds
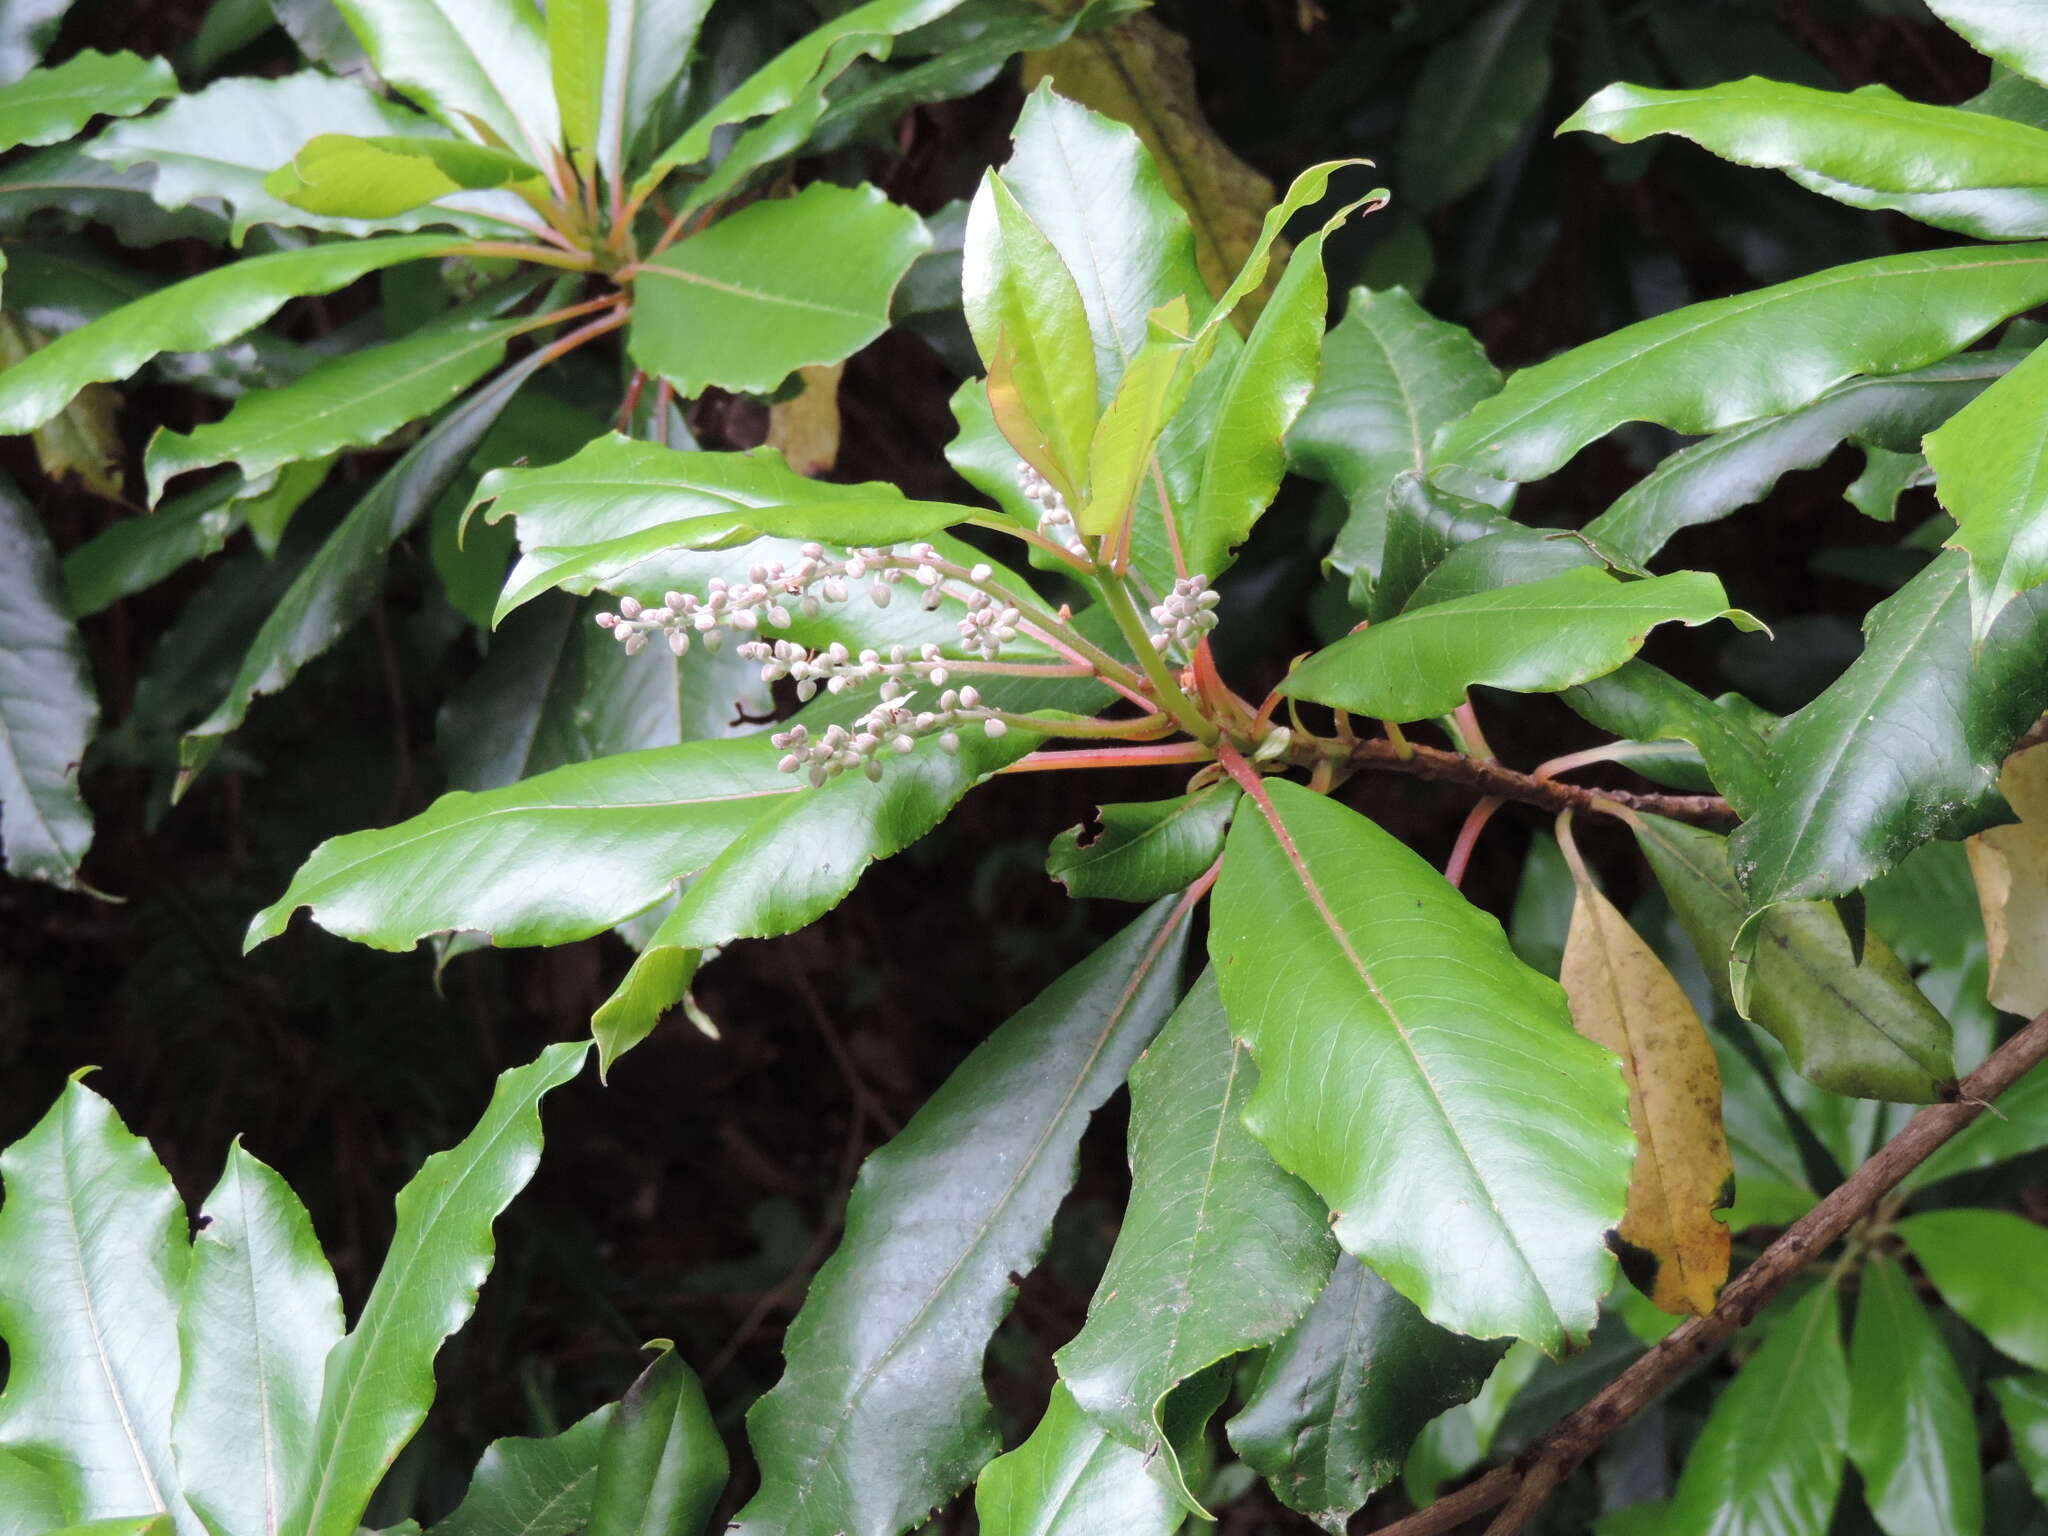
[837,668]
[1188,613]
[1056,521]
[891,726]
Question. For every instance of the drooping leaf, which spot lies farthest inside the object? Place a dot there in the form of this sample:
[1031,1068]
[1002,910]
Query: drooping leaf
[1424,526]
[880,1413]
[92,1255]
[532,1486]
[469,62]
[342,175]
[1360,979]
[648,44]
[1644,703]
[1672,1243]
[138,552]
[1861,1029]
[1145,850]
[1911,1432]
[2011,33]
[1539,637]
[191,316]
[380,1378]
[662,1466]
[1727,361]
[1071,1478]
[258,1314]
[1905,746]
[1343,1396]
[1991,472]
[48,710]
[1973,1258]
[47,105]
[1473,98]
[778,286]
[1771,1456]
[2010,867]
[1221,1249]
[1886,477]
[2024,1402]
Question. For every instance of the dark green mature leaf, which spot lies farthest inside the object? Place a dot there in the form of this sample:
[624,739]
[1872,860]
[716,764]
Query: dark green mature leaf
[47,707]
[1372,994]
[1738,467]
[532,1487]
[380,1378]
[1221,1249]
[1475,95]
[2024,1402]
[1425,526]
[340,582]
[781,285]
[648,44]
[1861,1029]
[1072,1479]
[1905,746]
[1643,703]
[1727,361]
[1537,637]
[663,1466]
[31,1501]
[1991,464]
[191,316]
[138,552]
[468,62]
[1771,1456]
[1344,1395]
[2010,32]
[65,186]
[257,1317]
[349,176]
[1974,1257]
[1911,1432]
[881,1413]
[1145,850]
[47,105]
[2020,1126]
[92,1255]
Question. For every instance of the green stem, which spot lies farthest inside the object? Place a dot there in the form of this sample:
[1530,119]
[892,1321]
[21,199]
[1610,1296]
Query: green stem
[1056,725]
[1166,687]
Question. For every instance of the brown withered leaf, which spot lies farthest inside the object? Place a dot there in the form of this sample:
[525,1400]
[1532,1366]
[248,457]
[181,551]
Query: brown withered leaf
[2011,869]
[1672,1245]
[806,429]
[1139,73]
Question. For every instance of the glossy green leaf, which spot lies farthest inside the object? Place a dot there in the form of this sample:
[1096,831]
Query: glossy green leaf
[1120,453]
[1642,703]
[1477,92]
[1221,1249]
[380,1378]
[881,1413]
[48,710]
[31,1501]
[1771,1456]
[1974,1258]
[1727,361]
[1858,1029]
[532,1486]
[578,31]
[1307,189]
[138,552]
[1539,637]
[1991,469]
[191,316]
[781,285]
[2024,1402]
[663,1466]
[1145,850]
[1886,477]
[92,1256]
[1343,1396]
[1425,525]
[1905,746]
[346,176]
[1911,1432]
[1072,1479]
[1737,468]
[47,105]
[648,45]
[120,1525]
[2019,1126]
[2011,31]
[469,62]
[257,1317]
[65,186]
[1372,994]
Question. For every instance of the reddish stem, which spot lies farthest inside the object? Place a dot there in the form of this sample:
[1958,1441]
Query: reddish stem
[1112,757]
[1468,837]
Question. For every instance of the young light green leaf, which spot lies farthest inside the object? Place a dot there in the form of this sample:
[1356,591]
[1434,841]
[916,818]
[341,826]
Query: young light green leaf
[1539,637]
[48,710]
[1070,1478]
[1343,1396]
[257,1317]
[1146,850]
[1221,1250]
[46,105]
[380,1378]
[578,34]
[532,1487]
[191,316]
[1477,91]
[2011,31]
[1306,190]
[345,176]
[1911,1432]
[92,1256]
[1771,1456]
[781,285]
[1120,452]
[1973,1257]
[472,63]
[1681,370]
[1862,1029]
[2024,1402]
[31,1501]
[881,1413]
[1991,472]
[662,1466]
[1515,1127]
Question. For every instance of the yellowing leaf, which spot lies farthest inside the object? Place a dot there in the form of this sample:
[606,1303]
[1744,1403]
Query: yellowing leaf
[806,430]
[2011,868]
[1671,1244]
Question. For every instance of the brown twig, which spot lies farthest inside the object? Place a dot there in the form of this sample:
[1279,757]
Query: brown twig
[1491,778]
[1523,1484]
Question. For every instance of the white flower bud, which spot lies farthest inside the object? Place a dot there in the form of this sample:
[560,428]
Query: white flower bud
[950,744]
[994,729]
[678,642]
[970,697]
[981,572]
[880,593]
